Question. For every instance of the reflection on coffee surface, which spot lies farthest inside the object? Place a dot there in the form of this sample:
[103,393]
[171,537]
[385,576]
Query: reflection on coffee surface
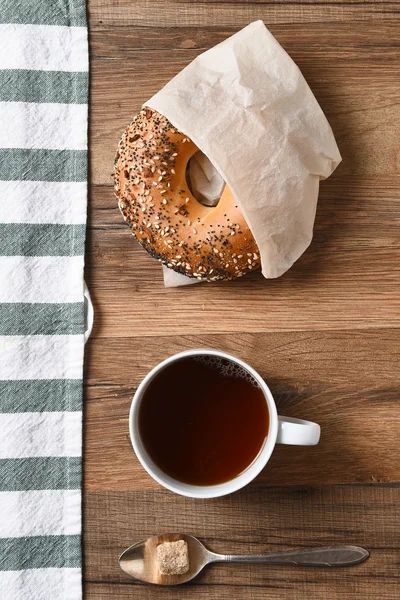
[203,420]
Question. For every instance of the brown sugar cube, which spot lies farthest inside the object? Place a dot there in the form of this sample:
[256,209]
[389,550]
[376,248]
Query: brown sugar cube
[173,558]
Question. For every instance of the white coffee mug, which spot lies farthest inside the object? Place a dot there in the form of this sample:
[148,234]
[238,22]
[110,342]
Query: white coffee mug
[282,430]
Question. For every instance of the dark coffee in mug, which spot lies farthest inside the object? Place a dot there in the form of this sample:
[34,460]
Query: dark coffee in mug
[203,419]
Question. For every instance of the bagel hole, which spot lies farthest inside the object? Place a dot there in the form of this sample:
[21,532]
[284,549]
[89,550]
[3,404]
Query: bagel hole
[203,180]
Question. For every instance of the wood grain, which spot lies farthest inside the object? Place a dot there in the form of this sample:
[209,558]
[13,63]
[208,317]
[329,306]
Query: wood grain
[206,13]
[346,381]
[355,88]
[254,520]
[349,277]
[325,336]
[364,43]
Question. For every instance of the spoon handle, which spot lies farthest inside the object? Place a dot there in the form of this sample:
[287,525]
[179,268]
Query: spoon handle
[329,556]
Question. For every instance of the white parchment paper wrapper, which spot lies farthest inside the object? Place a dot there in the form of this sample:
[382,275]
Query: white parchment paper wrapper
[248,108]
[207,183]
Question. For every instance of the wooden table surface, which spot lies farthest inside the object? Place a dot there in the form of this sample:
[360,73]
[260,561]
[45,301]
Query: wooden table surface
[325,336]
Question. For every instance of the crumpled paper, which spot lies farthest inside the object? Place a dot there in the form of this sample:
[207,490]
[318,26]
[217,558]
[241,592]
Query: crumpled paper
[248,108]
[207,184]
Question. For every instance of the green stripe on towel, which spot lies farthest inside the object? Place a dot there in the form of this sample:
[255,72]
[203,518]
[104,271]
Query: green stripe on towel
[40,552]
[40,395]
[20,318]
[37,12]
[48,239]
[40,473]
[22,85]
[42,165]
[40,490]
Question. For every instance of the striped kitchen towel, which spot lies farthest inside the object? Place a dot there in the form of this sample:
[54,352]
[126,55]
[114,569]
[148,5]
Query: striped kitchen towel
[43,172]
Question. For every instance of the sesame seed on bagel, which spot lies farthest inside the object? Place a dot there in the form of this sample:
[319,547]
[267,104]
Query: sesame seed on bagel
[153,195]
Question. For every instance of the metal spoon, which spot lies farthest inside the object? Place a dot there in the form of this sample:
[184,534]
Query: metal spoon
[140,560]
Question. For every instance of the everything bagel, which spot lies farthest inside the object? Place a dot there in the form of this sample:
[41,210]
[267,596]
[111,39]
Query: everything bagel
[153,195]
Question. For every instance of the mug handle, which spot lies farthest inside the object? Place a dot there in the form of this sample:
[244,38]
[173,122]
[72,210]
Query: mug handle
[297,432]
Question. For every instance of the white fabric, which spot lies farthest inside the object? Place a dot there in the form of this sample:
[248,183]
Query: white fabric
[42,449]
[40,434]
[40,47]
[35,584]
[33,125]
[51,278]
[61,357]
[43,202]
[40,512]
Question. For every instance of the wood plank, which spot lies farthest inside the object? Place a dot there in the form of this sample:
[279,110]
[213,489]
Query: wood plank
[363,42]
[255,520]
[347,205]
[348,278]
[186,13]
[357,92]
[346,381]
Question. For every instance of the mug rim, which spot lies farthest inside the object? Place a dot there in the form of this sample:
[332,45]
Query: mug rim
[200,491]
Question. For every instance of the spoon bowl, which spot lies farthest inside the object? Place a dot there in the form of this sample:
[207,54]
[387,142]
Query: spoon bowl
[140,560]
